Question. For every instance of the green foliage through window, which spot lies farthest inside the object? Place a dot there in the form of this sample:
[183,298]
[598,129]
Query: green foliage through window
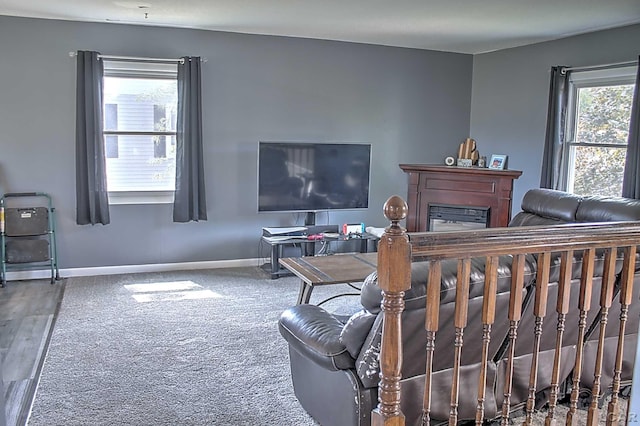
[597,154]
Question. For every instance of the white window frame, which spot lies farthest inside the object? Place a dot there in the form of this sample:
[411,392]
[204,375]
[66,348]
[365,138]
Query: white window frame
[138,69]
[585,79]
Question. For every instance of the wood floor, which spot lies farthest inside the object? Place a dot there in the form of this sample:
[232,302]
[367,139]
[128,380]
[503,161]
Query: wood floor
[28,310]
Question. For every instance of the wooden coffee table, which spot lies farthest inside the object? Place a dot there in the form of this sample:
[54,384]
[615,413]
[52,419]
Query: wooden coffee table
[326,270]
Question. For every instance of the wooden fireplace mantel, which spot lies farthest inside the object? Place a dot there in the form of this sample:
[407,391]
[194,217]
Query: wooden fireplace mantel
[458,186]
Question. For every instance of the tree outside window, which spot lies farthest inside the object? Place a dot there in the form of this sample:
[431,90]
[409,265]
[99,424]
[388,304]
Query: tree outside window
[598,133]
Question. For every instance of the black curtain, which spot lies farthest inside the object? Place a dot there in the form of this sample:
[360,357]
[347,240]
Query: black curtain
[554,137]
[190,203]
[92,199]
[631,180]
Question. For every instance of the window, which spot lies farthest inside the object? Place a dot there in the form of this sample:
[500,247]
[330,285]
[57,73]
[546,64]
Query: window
[161,121]
[140,103]
[599,113]
[111,122]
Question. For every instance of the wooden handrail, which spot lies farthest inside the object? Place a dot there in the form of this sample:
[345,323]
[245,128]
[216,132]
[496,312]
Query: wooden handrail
[397,249]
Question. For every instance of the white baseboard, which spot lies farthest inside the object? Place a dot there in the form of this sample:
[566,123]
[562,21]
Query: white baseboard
[132,269]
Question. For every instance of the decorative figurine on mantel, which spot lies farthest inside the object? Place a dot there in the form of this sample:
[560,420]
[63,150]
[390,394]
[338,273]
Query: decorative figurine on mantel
[467,153]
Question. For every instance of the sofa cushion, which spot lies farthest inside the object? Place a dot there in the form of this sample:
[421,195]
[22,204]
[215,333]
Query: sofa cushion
[530,219]
[370,296]
[368,361]
[356,330]
[414,298]
[413,317]
[608,209]
[315,333]
[560,207]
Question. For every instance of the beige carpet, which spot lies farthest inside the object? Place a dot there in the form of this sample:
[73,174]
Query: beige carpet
[182,348]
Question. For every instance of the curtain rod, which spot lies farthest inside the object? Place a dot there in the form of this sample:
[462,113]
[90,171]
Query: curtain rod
[595,67]
[138,58]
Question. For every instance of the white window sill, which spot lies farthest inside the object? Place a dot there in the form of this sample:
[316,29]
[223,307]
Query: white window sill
[140,197]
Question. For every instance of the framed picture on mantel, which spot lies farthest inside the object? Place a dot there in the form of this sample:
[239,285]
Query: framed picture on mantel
[498,162]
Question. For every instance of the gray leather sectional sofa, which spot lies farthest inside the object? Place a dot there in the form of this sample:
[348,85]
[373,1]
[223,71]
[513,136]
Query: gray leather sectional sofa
[334,360]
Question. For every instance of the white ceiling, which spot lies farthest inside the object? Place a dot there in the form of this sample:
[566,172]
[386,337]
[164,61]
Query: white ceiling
[465,26]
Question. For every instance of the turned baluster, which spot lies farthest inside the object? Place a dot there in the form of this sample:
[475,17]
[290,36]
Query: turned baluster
[540,311]
[515,313]
[488,318]
[626,292]
[584,305]
[460,322]
[606,296]
[562,308]
[431,325]
[394,278]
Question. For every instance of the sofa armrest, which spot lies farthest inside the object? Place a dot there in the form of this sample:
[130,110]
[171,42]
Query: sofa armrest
[315,333]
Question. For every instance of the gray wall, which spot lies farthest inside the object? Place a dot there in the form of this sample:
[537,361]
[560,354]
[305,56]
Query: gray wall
[413,106]
[511,88]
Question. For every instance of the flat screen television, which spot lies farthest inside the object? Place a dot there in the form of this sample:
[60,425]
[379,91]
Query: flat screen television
[310,177]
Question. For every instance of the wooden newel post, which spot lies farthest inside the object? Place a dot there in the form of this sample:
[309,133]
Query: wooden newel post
[394,277]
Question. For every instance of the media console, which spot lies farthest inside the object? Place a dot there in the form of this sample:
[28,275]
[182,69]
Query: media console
[311,241]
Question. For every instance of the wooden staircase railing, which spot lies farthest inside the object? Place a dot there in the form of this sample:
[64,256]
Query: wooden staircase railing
[397,250]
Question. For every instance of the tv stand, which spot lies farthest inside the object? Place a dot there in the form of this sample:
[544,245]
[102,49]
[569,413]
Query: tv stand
[299,245]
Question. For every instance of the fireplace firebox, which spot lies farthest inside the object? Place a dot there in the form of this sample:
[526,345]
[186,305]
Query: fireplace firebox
[443,217]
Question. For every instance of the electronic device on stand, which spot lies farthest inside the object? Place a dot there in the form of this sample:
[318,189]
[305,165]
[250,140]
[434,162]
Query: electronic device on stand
[318,240]
[305,177]
[311,177]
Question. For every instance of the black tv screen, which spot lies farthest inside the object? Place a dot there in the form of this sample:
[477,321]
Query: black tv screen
[313,176]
